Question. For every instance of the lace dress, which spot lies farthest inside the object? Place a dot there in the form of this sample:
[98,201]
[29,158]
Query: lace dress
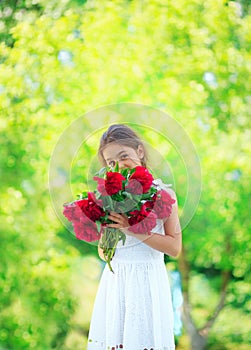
[133,307]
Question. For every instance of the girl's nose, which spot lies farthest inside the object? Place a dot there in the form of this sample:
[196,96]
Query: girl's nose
[121,164]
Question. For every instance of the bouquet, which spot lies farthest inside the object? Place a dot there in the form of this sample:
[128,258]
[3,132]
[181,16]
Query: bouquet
[128,191]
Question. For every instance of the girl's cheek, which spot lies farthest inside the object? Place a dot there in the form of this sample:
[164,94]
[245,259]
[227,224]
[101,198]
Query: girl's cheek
[124,164]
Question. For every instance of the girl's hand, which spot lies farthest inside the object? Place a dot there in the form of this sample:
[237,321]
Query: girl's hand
[120,222]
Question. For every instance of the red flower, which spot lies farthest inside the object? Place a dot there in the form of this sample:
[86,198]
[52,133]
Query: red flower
[142,220]
[113,183]
[134,186]
[72,211]
[143,177]
[85,229]
[163,204]
[91,206]
[150,204]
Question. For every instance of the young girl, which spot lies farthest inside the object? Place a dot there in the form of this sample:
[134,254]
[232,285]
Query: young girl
[133,308]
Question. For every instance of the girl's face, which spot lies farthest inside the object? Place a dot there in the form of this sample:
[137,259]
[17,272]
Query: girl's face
[126,157]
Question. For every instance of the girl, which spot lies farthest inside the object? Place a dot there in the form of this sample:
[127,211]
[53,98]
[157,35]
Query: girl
[133,308]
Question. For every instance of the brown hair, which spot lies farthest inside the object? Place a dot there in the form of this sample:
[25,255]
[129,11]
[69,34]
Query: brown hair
[122,134]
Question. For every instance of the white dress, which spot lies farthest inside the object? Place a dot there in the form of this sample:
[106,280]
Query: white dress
[133,307]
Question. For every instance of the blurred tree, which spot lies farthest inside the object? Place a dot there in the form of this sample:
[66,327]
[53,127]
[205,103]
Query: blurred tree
[15,11]
[189,59]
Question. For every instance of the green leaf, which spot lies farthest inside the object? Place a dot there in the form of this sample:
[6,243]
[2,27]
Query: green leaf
[101,172]
[84,194]
[98,195]
[125,172]
[123,237]
[132,171]
[98,223]
[116,167]
[108,203]
[128,194]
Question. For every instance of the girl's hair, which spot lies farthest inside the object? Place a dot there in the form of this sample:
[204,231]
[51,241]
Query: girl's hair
[123,135]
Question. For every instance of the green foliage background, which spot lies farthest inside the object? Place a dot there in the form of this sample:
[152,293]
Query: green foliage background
[60,60]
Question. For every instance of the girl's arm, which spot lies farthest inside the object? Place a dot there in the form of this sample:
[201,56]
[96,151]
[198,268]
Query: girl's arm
[170,243]
[100,253]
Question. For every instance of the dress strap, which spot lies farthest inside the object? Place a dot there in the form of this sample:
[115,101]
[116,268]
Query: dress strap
[161,184]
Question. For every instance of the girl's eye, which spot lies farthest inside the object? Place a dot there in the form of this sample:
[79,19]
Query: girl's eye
[124,156]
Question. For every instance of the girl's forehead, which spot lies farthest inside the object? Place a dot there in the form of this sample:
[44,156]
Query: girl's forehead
[114,148]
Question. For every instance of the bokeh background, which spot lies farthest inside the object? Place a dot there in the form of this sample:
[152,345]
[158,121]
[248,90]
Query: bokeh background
[61,59]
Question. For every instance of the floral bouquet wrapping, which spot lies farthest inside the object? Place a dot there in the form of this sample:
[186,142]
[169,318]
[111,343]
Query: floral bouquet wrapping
[128,191]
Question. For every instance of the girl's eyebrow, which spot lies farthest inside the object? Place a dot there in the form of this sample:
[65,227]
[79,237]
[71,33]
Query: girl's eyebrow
[118,154]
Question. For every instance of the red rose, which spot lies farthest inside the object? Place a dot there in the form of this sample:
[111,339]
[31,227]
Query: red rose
[72,211]
[163,204]
[142,220]
[91,206]
[113,183]
[144,178]
[150,204]
[86,230]
[134,186]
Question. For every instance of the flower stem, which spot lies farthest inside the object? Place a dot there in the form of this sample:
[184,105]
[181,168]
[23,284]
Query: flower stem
[109,243]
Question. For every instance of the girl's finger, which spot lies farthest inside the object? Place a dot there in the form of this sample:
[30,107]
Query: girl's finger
[113,218]
[113,213]
[113,225]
